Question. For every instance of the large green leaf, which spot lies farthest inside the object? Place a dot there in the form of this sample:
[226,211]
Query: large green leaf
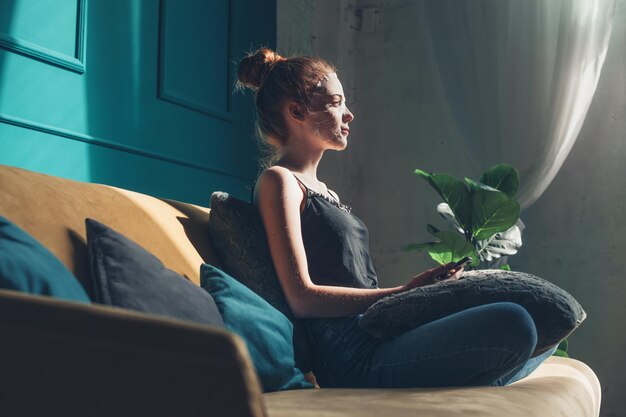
[459,247]
[454,192]
[452,247]
[503,177]
[441,253]
[475,185]
[492,212]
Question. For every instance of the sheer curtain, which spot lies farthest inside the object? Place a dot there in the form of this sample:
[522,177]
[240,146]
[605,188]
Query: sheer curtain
[515,78]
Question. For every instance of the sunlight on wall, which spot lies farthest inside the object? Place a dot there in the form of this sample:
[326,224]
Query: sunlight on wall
[42,95]
[43,153]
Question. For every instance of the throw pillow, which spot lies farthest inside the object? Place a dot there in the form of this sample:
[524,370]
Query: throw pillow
[555,312]
[27,266]
[238,236]
[128,276]
[266,331]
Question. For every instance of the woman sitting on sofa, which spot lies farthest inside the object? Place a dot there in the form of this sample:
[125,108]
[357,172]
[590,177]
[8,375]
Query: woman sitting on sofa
[320,251]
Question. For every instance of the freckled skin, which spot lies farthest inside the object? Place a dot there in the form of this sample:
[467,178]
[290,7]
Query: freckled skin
[327,127]
[329,112]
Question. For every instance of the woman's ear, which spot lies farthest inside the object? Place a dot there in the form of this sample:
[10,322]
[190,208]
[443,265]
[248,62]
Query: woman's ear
[295,111]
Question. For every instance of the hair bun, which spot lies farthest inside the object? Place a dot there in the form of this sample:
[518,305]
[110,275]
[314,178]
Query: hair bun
[254,67]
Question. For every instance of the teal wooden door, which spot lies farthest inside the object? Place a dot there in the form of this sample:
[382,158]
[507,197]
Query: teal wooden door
[132,93]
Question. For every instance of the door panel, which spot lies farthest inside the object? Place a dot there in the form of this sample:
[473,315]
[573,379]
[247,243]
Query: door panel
[150,109]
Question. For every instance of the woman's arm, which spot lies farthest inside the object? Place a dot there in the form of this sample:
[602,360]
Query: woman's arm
[278,198]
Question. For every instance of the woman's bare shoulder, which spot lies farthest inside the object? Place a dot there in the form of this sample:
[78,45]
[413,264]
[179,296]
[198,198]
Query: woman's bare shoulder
[276,182]
[276,171]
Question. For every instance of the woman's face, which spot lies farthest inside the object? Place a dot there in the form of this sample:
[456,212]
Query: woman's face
[330,117]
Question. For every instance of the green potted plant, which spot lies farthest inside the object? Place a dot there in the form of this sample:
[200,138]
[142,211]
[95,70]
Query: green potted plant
[483,213]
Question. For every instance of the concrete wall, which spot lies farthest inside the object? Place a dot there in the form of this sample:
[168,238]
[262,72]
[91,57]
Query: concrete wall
[575,236]
[294,27]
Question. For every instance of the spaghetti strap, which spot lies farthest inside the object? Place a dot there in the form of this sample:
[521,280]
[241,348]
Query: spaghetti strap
[334,195]
[303,184]
[331,197]
[308,190]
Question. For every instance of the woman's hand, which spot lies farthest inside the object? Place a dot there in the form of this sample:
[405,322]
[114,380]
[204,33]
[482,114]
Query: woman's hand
[430,277]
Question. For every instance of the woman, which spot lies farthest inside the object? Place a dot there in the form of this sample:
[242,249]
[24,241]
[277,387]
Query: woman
[321,254]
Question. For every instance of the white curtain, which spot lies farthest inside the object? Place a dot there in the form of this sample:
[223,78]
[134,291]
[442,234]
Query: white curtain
[515,78]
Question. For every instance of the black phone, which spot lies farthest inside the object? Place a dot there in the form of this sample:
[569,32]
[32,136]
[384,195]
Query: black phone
[459,264]
[462,262]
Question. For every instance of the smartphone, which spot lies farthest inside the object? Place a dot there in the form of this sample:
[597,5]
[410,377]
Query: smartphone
[463,262]
[457,265]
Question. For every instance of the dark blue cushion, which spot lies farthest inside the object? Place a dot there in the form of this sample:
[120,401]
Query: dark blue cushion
[126,275]
[267,332]
[27,266]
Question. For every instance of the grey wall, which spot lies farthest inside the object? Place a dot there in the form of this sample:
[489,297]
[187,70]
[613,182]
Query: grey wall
[294,26]
[575,236]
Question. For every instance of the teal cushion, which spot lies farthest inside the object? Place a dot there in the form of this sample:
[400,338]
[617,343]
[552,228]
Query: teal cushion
[267,332]
[27,266]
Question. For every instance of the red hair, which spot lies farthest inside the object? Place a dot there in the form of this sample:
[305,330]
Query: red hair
[275,81]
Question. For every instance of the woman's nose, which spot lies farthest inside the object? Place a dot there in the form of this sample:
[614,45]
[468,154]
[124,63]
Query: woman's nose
[348,116]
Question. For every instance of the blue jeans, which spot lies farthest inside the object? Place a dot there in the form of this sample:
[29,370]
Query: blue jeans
[486,345]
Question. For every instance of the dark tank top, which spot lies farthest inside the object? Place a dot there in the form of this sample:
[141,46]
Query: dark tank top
[336,243]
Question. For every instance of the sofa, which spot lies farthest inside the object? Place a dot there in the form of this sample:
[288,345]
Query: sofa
[64,358]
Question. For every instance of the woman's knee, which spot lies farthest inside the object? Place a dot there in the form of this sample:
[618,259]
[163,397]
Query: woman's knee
[514,325]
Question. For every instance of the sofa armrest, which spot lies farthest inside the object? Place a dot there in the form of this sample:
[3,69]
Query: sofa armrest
[71,359]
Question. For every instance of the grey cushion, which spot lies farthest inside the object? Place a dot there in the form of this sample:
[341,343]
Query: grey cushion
[128,276]
[238,236]
[555,312]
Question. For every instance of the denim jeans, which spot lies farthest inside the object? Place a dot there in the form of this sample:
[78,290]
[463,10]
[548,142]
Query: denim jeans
[486,345]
